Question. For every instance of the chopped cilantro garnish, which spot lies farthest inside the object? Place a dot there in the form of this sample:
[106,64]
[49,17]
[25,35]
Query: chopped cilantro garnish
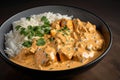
[22,30]
[37,28]
[39,34]
[45,20]
[46,28]
[17,27]
[64,30]
[30,35]
[40,42]
[32,31]
[27,44]
[30,27]
[28,18]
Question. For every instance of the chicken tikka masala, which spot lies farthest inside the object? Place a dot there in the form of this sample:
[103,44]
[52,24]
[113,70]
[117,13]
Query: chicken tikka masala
[66,43]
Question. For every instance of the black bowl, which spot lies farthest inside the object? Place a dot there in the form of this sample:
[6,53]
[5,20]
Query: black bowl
[76,12]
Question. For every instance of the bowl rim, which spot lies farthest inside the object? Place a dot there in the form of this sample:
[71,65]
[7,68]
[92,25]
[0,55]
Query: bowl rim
[6,59]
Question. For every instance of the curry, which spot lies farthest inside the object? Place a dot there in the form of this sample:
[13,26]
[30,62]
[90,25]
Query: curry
[67,44]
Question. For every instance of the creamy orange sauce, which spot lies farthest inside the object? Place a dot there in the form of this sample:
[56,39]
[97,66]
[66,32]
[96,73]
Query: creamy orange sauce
[74,43]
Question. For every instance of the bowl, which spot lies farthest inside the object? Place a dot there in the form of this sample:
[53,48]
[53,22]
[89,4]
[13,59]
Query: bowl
[69,10]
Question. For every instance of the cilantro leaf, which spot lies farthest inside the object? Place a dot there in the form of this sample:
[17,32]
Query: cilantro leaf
[40,42]
[45,20]
[27,44]
[28,18]
[17,27]
[39,34]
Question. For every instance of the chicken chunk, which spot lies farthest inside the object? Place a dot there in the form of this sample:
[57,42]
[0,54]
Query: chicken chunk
[67,51]
[79,56]
[41,58]
[74,35]
[34,47]
[62,56]
[51,51]
[56,25]
[79,26]
[61,37]
[91,28]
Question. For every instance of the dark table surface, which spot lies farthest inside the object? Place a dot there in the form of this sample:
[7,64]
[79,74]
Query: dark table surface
[107,69]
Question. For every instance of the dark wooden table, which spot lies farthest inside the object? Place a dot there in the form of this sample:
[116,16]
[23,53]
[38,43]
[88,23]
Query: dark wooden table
[107,69]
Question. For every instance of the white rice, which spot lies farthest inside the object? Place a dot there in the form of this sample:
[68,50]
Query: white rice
[14,40]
